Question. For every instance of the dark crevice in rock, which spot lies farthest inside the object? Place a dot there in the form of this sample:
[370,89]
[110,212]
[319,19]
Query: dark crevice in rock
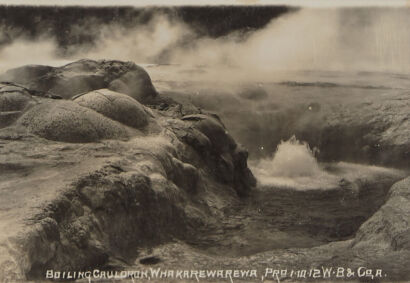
[174,174]
[150,260]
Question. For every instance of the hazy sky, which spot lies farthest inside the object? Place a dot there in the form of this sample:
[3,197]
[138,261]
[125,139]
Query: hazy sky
[362,39]
[304,3]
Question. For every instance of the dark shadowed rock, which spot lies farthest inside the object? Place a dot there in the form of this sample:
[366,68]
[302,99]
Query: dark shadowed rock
[184,175]
[227,160]
[69,122]
[135,83]
[150,260]
[68,86]
[117,106]
[214,130]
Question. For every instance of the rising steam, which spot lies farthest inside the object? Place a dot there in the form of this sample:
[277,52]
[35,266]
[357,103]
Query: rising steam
[342,39]
[293,165]
[291,159]
[25,52]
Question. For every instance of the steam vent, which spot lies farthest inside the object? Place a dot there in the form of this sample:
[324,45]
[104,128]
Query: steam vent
[99,170]
[211,143]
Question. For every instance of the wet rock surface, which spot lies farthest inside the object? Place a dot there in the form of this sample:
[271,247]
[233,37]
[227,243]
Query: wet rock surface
[372,247]
[349,117]
[89,180]
[121,178]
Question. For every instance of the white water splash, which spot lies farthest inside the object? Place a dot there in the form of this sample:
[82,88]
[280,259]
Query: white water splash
[293,165]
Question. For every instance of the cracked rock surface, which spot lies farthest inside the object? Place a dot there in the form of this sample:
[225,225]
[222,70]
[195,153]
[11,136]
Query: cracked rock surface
[99,170]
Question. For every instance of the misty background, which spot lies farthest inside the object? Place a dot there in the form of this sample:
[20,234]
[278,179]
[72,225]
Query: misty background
[335,78]
[260,39]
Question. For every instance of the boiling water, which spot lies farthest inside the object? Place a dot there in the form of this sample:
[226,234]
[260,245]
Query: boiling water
[293,165]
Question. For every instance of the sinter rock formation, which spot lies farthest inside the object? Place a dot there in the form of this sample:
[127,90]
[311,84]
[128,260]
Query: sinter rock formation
[83,76]
[112,174]
[98,170]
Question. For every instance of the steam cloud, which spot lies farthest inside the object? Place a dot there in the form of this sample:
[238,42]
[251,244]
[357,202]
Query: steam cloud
[365,39]
[24,52]
[293,165]
[292,159]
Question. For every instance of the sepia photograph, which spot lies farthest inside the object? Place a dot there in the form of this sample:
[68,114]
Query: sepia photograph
[204,141]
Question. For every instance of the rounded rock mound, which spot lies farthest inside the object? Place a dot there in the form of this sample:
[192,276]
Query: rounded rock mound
[26,74]
[69,122]
[14,100]
[214,130]
[84,76]
[117,106]
[135,83]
